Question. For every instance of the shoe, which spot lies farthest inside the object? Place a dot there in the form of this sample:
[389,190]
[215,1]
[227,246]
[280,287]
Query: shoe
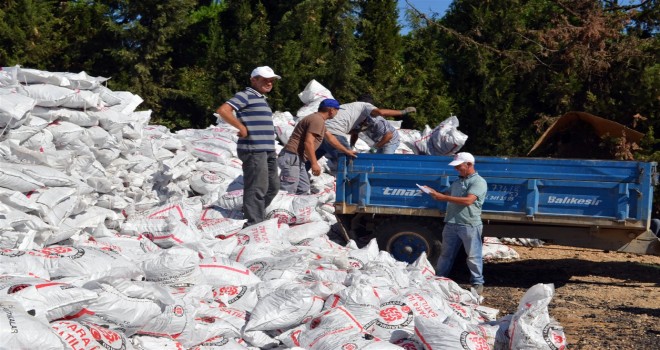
[479,288]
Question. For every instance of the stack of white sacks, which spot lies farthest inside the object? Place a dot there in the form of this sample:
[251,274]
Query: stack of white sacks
[118,234]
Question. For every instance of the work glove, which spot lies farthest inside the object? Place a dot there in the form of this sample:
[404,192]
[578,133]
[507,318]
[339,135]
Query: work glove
[408,110]
[373,150]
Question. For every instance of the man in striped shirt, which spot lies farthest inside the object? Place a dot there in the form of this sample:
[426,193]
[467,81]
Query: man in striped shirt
[256,144]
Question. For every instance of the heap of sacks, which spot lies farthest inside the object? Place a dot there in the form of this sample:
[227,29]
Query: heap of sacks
[118,234]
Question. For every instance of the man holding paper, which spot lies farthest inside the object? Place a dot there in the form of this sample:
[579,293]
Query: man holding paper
[465,199]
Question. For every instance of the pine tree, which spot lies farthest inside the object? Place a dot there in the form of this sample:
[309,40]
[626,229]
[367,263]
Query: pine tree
[26,33]
[378,33]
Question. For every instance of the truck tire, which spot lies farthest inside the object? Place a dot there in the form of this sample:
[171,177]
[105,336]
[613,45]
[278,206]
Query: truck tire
[406,239]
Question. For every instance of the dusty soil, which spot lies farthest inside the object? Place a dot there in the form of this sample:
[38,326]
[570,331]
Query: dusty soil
[604,300]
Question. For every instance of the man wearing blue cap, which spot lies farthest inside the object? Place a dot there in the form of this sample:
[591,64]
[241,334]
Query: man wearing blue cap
[301,147]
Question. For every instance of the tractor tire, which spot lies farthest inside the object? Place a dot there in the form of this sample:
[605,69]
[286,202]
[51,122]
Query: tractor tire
[407,238]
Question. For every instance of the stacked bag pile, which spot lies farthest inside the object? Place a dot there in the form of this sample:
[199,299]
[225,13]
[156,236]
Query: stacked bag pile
[118,234]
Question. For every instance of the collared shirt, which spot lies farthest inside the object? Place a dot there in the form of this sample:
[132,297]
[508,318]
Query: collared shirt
[349,117]
[467,215]
[377,127]
[253,111]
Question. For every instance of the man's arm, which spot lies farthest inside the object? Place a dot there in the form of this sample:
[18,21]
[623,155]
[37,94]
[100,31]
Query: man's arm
[386,138]
[310,152]
[466,201]
[354,137]
[227,113]
[332,140]
[392,112]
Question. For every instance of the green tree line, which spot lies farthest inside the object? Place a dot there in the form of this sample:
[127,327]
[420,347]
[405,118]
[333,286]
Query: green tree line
[506,68]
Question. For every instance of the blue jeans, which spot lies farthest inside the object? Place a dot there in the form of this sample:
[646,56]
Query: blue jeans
[452,237]
[261,183]
[389,148]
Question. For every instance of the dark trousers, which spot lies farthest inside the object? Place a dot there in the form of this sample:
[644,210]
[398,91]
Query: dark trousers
[261,183]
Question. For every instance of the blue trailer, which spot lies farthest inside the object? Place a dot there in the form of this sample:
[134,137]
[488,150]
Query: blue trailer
[599,204]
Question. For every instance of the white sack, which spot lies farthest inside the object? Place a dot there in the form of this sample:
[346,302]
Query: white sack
[284,308]
[46,300]
[19,330]
[531,326]
[312,96]
[292,209]
[47,95]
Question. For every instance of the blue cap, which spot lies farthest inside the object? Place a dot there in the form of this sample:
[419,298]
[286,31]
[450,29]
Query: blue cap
[328,102]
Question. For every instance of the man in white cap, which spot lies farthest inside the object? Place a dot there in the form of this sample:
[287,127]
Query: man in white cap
[465,199]
[256,143]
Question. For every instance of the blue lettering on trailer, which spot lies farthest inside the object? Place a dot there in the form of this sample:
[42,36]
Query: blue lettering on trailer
[388,191]
[575,200]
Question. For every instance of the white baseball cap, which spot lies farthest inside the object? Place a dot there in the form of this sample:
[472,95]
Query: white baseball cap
[462,157]
[264,71]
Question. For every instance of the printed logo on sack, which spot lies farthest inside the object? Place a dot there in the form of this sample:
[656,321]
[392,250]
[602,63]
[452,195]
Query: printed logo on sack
[234,292]
[355,262]
[407,192]
[63,252]
[472,341]
[394,315]
[349,346]
[283,216]
[108,339]
[211,178]
[178,311]
[554,336]
[11,253]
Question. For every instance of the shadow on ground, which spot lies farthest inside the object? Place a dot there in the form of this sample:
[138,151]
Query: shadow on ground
[524,273]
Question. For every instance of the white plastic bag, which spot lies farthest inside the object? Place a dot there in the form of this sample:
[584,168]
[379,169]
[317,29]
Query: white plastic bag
[284,308]
[20,330]
[531,326]
[312,96]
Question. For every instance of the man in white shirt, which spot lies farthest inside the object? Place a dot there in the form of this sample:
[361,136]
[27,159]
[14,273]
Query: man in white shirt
[348,122]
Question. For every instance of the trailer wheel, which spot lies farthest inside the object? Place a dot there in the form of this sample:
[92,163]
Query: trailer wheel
[407,239]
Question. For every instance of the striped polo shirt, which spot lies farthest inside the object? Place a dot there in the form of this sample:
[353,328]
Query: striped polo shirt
[253,111]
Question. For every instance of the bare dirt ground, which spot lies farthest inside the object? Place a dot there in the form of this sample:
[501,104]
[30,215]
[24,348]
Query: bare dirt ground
[604,300]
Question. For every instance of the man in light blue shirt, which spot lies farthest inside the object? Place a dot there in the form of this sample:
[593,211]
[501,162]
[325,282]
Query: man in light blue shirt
[383,133]
[465,199]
